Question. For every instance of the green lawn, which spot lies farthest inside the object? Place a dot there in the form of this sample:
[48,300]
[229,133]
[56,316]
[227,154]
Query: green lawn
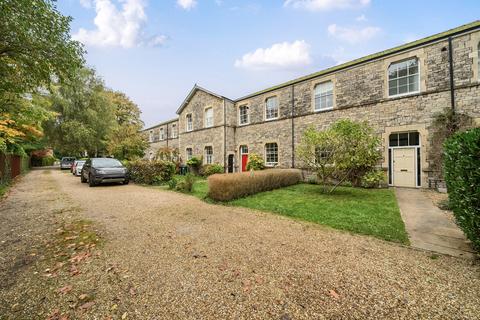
[366,211]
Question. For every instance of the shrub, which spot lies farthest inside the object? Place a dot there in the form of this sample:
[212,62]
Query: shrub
[225,187]
[187,184]
[209,169]
[172,184]
[151,172]
[194,162]
[462,175]
[373,179]
[255,162]
[42,161]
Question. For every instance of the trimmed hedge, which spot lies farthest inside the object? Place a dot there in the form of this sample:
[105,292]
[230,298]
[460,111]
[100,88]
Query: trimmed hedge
[151,172]
[225,187]
[462,175]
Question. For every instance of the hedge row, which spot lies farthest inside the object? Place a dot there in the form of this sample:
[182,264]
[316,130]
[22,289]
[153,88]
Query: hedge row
[151,172]
[225,187]
[462,175]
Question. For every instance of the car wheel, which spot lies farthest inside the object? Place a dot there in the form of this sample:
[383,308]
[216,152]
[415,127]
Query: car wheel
[126,181]
[82,179]
[91,181]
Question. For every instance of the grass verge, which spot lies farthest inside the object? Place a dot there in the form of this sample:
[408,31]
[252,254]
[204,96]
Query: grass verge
[371,212]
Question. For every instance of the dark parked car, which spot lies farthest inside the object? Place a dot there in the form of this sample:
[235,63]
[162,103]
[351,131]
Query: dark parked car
[66,162]
[103,170]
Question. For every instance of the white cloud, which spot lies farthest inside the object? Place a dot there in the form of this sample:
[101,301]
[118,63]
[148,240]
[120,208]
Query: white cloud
[279,56]
[353,35]
[86,3]
[118,28]
[187,4]
[361,18]
[325,5]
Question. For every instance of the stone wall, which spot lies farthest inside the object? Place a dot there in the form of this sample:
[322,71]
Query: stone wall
[360,94]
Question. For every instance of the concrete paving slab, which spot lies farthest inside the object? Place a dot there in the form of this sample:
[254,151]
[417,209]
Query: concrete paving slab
[428,227]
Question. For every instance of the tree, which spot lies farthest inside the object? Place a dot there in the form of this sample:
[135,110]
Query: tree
[125,140]
[344,152]
[85,115]
[35,47]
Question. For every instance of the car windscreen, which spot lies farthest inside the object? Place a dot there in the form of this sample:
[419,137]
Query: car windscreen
[80,163]
[106,163]
[68,159]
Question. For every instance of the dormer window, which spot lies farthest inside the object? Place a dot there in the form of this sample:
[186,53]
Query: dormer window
[403,78]
[189,125]
[208,117]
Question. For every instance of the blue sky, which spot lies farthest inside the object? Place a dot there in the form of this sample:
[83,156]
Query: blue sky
[156,50]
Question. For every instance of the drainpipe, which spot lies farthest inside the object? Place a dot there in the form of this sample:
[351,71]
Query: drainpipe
[452,84]
[293,126]
[224,137]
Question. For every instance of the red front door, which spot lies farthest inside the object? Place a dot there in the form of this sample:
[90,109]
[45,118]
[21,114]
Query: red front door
[244,162]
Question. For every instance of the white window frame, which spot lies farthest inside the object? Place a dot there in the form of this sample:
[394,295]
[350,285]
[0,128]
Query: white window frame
[478,60]
[162,134]
[150,136]
[321,94]
[189,122]
[188,155]
[208,120]
[208,157]
[407,76]
[174,131]
[240,123]
[277,105]
[270,164]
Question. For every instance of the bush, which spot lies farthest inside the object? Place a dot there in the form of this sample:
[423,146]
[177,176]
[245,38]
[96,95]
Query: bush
[225,187]
[209,169]
[172,184]
[151,172]
[194,162]
[255,162]
[462,175]
[187,184]
[373,179]
[42,161]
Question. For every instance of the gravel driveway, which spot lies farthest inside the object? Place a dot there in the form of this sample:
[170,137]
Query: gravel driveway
[165,255]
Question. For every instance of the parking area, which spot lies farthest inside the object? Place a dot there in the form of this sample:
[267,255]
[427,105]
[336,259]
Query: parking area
[176,257]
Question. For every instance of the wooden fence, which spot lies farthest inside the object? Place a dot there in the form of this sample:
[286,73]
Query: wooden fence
[11,166]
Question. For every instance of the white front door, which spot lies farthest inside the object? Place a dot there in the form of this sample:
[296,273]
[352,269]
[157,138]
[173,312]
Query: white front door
[404,167]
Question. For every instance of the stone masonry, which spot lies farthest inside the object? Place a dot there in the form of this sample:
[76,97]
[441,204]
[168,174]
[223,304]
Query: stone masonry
[360,91]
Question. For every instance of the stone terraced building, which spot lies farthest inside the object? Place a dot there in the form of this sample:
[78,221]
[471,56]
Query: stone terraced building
[397,91]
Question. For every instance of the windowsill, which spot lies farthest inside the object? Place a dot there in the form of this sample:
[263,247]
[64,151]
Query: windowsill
[206,127]
[271,165]
[403,95]
[271,119]
[243,124]
[323,110]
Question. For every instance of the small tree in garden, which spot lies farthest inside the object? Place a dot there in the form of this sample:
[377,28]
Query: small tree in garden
[255,162]
[344,152]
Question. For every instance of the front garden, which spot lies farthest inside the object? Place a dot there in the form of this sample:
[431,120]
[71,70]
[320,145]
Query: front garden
[342,193]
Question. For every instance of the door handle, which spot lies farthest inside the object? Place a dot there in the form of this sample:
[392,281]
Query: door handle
[404,170]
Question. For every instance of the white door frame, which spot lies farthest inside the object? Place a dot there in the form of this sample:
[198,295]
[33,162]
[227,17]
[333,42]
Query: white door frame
[417,152]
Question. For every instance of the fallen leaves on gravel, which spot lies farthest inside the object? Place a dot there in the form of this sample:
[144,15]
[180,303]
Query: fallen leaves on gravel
[87,305]
[56,315]
[333,294]
[65,290]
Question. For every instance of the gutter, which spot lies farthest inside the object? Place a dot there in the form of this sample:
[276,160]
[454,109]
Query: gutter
[224,137]
[293,125]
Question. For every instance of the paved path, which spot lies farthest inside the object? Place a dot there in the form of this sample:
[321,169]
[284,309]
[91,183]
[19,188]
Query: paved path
[428,227]
[165,255]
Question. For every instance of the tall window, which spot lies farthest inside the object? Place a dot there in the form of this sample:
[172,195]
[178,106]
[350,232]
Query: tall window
[174,131]
[478,60]
[150,136]
[189,152]
[324,96]
[271,108]
[208,155]
[162,134]
[189,122]
[271,154]
[208,117]
[243,115]
[403,77]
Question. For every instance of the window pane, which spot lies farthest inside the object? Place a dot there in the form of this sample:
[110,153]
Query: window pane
[403,139]
[392,73]
[414,139]
[402,82]
[403,89]
[413,83]
[402,69]
[393,140]
[413,69]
